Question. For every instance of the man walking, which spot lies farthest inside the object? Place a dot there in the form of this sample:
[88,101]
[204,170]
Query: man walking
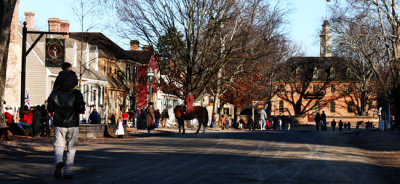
[263,118]
[66,103]
[317,120]
[323,121]
[333,124]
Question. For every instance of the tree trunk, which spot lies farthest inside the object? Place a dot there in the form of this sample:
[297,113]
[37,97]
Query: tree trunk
[7,10]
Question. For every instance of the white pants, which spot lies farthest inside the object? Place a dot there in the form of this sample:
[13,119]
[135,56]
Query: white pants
[262,124]
[65,136]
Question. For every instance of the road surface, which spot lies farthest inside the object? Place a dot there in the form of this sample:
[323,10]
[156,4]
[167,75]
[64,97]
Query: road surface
[215,157]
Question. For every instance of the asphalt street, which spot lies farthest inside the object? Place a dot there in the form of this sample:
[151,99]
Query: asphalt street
[215,157]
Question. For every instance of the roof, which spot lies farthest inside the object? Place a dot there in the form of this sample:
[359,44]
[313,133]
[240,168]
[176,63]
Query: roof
[109,49]
[324,66]
[142,57]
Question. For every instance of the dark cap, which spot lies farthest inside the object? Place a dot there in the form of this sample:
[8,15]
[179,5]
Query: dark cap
[150,103]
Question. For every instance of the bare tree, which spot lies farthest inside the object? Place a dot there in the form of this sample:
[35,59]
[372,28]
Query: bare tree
[367,34]
[6,11]
[262,43]
[197,38]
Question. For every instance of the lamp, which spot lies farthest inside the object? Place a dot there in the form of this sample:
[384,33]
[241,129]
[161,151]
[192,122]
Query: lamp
[150,75]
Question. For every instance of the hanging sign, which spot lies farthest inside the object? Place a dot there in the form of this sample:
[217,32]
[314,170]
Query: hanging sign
[55,52]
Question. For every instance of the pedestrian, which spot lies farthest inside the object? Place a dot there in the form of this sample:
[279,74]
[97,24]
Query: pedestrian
[112,119]
[241,123]
[44,121]
[120,132]
[131,117]
[317,120]
[157,116]
[333,124]
[137,115]
[323,121]
[358,125]
[66,103]
[36,120]
[345,126]
[125,116]
[150,117]
[227,123]
[213,120]
[9,116]
[263,118]
[275,122]
[280,123]
[26,120]
[348,126]
[94,117]
[164,117]
[222,120]
[66,79]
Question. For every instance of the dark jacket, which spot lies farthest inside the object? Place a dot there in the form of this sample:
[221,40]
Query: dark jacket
[66,80]
[165,114]
[66,105]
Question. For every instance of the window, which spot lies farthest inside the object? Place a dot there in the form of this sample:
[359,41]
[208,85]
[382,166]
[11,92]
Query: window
[315,89]
[281,106]
[94,94]
[332,73]
[349,88]
[298,88]
[350,107]
[281,88]
[332,88]
[315,73]
[298,72]
[348,73]
[332,107]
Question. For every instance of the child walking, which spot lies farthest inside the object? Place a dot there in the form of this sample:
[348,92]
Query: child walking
[120,129]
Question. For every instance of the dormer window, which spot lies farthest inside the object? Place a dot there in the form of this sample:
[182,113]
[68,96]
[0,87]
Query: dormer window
[315,73]
[348,73]
[332,73]
[298,72]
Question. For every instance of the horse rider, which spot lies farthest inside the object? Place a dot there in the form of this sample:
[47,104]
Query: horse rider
[188,107]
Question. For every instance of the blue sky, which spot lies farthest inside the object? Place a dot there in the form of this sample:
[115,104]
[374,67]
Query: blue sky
[304,20]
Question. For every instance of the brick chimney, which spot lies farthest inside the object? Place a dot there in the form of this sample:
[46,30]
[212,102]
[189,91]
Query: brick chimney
[54,25]
[14,25]
[134,45]
[65,27]
[29,19]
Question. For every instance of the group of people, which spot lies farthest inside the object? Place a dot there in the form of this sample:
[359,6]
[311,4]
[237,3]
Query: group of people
[34,120]
[321,123]
[122,122]
[342,125]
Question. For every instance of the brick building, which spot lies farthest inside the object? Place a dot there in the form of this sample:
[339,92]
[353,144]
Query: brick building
[315,84]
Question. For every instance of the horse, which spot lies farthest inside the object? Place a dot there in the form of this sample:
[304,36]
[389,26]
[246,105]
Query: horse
[199,113]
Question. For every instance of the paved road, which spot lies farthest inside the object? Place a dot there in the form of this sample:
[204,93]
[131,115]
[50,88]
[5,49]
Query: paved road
[216,157]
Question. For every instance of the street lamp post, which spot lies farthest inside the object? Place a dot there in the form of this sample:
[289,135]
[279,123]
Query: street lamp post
[150,75]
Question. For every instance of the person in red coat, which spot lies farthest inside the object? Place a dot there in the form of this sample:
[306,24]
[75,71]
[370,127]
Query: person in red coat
[27,119]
